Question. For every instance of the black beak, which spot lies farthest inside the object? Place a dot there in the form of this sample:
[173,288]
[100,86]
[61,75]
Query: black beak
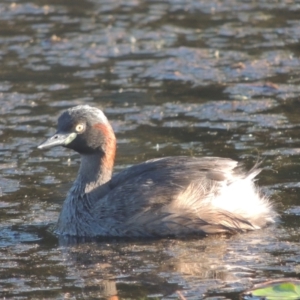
[58,139]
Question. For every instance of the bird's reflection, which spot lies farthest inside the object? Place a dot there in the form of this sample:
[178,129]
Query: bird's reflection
[110,268]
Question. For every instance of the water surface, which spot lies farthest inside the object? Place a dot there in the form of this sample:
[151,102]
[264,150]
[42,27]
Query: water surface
[217,78]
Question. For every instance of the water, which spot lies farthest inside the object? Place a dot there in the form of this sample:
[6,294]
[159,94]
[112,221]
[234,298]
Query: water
[175,78]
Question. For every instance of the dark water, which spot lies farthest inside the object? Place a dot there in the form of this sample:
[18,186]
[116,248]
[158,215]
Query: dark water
[175,78]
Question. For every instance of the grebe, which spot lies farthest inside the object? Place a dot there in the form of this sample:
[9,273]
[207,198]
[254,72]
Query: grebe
[170,196]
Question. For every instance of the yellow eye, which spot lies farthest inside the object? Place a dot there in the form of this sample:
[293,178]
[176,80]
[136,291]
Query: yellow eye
[80,127]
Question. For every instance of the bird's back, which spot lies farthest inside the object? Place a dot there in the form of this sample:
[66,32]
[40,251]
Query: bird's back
[182,195]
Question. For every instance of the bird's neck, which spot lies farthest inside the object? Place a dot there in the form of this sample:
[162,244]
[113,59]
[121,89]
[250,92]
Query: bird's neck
[95,170]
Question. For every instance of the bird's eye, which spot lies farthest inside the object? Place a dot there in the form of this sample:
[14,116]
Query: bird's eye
[79,127]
